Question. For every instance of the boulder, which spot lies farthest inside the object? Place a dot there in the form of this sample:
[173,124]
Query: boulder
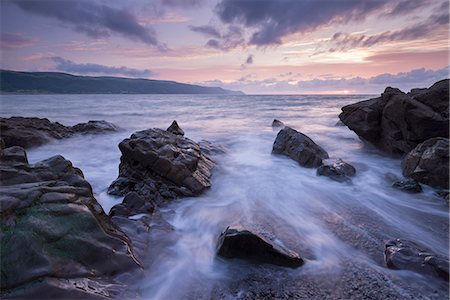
[397,122]
[338,170]
[238,242]
[408,255]
[428,163]
[277,123]
[31,132]
[408,185]
[53,227]
[299,147]
[132,204]
[175,129]
[160,165]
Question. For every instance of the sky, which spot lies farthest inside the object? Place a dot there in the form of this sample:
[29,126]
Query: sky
[256,46]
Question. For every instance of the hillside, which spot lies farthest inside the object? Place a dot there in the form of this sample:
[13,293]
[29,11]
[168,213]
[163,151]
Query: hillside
[62,83]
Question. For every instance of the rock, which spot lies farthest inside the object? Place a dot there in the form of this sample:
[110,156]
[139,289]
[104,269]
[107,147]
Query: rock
[52,226]
[408,185]
[277,123]
[31,132]
[299,147]
[428,163]
[397,122]
[237,242]
[339,171]
[175,129]
[159,165]
[210,148]
[132,204]
[404,254]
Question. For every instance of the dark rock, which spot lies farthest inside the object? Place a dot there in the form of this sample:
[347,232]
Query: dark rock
[397,122]
[408,185]
[339,170]
[428,163]
[159,165]
[404,254]
[132,204]
[175,129]
[277,123]
[237,242]
[210,148]
[52,226]
[31,132]
[299,147]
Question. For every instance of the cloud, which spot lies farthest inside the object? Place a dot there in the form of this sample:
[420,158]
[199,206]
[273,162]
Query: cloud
[249,60]
[358,85]
[345,41]
[15,40]
[65,65]
[93,19]
[231,38]
[272,19]
[207,30]
[183,3]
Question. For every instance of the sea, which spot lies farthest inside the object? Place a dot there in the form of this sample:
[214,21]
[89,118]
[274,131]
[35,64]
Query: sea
[339,228]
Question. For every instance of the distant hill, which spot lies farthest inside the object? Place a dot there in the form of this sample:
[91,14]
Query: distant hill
[62,83]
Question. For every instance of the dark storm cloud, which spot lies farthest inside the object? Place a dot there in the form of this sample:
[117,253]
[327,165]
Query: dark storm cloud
[93,19]
[344,41]
[274,19]
[15,40]
[65,65]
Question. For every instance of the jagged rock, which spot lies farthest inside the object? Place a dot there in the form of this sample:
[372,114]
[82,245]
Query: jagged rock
[132,204]
[237,242]
[299,147]
[404,254]
[175,129]
[31,132]
[397,122]
[339,170]
[52,226]
[210,148]
[159,165]
[428,163]
[408,185]
[277,123]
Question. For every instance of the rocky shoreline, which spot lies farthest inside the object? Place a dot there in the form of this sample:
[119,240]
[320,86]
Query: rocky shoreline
[57,241]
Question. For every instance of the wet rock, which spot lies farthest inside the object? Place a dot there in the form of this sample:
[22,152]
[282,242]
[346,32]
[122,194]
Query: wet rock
[299,147]
[237,242]
[407,255]
[210,148]
[175,129]
[397,122]
[338,171]
[408,185]
[277,123]
[132,204]
[159,165]
[31,132]
[52,226]
[428,163]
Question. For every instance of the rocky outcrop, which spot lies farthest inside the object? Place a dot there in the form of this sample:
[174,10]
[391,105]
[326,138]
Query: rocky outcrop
[159,165]
[397,122]
[407,255]
[31,132]
[277,123]
[132,204]
[299,147]
[54,234]
[428,163]
[338,170]
[238,242]
[175,129]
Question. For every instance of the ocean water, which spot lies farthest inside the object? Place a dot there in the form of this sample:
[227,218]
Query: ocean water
[339,228]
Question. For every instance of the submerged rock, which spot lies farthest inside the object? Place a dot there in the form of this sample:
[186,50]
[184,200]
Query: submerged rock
[404,254]
[237,242]
[277,123]
[338,171]
[299,147]
[175,129]
[428,163]
[52,226]
[408,185]
[160,165]
[397,122]
[31,132]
